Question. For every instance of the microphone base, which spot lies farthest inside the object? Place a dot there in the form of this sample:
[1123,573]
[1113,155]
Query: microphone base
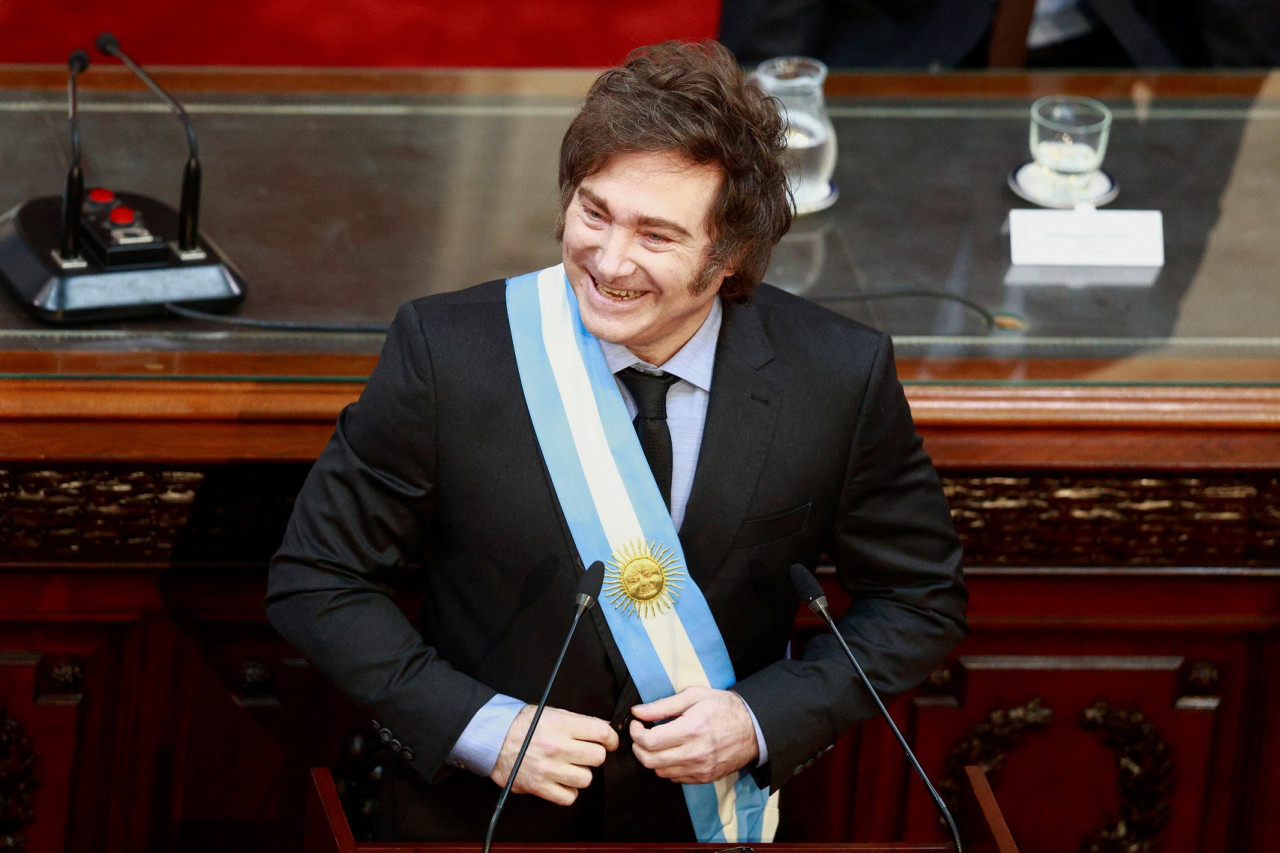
[123,272]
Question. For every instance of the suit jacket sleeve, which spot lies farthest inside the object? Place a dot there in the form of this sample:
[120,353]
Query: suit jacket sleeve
[364,514]
[898,556]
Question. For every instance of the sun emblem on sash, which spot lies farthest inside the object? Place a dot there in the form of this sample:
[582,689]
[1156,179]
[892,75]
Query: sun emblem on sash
[643,577]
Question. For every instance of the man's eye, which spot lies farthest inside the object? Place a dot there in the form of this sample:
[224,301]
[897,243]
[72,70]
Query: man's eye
[593,215]
[656,238]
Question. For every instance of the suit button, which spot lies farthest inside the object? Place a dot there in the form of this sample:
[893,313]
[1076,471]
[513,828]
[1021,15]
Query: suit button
[407,753]
[396,745]
[799,768]
[385,734]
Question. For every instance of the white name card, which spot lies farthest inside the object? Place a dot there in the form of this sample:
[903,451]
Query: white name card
[1087,237]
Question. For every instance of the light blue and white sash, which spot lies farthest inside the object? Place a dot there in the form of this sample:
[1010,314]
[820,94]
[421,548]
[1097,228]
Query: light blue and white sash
[616,514]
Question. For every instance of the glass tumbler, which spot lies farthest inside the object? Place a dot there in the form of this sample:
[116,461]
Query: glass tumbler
[1069,140]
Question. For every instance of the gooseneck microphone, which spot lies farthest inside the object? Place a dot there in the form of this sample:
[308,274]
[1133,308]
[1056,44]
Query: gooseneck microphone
[73,189]
[189,208]
[588,591]
[810,591]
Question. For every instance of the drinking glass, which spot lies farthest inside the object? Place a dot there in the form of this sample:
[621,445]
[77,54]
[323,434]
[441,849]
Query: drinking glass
[796,81]
[1068,141]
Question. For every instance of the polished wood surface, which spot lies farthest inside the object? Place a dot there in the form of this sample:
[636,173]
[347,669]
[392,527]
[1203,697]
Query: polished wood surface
[574,82]
[328,831]
[215,421]
[982,809]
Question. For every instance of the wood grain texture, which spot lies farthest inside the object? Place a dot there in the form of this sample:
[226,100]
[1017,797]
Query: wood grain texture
[1003,426]
[574,82]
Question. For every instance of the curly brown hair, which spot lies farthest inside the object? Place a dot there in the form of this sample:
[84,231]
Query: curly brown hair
[692,99]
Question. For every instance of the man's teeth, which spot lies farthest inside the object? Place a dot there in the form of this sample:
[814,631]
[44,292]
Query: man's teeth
[619,294]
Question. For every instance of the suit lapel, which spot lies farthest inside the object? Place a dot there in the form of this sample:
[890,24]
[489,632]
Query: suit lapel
[741,417]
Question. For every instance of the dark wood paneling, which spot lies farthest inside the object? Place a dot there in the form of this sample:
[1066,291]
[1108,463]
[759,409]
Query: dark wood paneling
[74,687]
[189,710]
[1173,666]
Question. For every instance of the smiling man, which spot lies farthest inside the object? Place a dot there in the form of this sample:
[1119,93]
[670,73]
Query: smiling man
[648,404]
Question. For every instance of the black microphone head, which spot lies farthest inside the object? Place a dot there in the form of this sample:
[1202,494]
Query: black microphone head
[107,44]
[78,61]
[806,585]
[591,581]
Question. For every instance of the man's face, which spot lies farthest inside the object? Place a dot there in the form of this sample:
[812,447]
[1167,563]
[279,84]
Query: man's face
[636,245]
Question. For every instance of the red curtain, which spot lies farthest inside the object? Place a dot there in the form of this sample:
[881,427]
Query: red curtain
[354,33]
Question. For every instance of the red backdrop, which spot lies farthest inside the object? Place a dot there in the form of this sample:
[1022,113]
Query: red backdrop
[442,33]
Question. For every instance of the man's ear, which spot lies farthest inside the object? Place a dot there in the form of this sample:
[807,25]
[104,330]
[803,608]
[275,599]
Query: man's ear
[729,269]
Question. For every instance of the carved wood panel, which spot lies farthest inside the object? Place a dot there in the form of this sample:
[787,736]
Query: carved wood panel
[145,513]
[1070,681]
[202,723]
[38,734]
[1101,752]
[62,513]
[256,718]
[18,770]
[96,700]
[237,513]
[1153,518]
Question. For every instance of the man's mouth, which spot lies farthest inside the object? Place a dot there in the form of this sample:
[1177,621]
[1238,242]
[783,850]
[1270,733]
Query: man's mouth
[614,293]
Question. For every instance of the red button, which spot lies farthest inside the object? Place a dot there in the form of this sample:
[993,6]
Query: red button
[100,195]
[121,215]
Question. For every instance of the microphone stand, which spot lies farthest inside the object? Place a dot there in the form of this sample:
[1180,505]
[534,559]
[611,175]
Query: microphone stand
[189,206]
[808,588]
[112,255]
[73,189]
[588,591]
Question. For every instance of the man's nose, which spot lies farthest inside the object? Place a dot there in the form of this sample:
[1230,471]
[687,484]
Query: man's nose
[614,257]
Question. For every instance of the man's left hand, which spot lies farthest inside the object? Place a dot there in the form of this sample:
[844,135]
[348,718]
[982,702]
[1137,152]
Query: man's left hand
[707,736]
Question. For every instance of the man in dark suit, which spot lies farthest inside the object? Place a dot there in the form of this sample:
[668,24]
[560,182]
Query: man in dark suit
[789,438]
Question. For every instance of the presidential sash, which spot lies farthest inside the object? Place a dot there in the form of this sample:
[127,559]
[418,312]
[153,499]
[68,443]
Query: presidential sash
[658,616]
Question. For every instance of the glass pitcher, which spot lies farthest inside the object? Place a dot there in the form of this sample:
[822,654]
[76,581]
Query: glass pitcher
[796,81]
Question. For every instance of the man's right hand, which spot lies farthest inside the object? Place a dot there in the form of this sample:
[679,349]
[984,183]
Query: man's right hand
[558,763]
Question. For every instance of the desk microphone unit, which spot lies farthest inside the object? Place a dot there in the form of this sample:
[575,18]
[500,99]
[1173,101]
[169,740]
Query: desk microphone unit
[113,255]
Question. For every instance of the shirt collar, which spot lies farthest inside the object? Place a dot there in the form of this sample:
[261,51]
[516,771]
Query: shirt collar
[693,362]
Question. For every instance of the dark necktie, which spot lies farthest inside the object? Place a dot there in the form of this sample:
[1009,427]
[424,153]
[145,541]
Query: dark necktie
[649,390]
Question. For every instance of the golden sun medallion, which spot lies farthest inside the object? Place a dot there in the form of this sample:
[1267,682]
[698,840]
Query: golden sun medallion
[643,577]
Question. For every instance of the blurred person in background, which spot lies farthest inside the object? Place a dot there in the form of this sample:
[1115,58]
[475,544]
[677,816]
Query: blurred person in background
[956,33]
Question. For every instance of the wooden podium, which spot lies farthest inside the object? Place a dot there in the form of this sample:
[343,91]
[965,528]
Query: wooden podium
[982,829]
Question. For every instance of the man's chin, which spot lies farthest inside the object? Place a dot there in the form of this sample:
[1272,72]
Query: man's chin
[614,333]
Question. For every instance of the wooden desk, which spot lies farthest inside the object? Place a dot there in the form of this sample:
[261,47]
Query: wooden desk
[981,824]
[1112,466]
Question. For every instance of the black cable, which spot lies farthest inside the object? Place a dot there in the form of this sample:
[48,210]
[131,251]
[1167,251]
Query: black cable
[277,325]
[988,319]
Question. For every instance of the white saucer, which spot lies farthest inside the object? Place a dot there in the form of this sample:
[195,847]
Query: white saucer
[820,203]
[1031,182]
